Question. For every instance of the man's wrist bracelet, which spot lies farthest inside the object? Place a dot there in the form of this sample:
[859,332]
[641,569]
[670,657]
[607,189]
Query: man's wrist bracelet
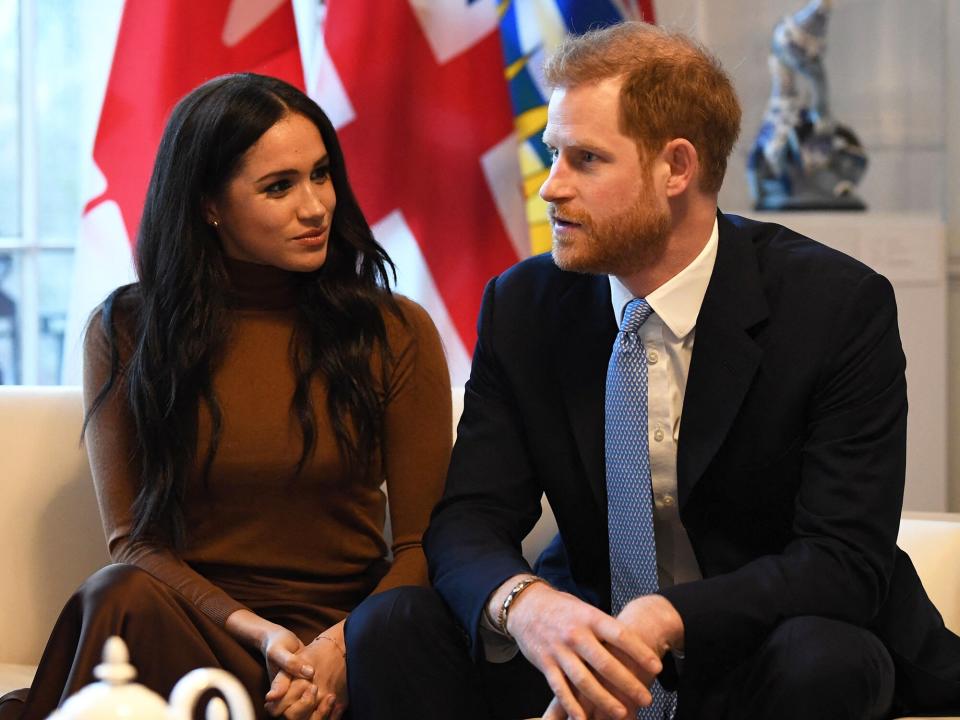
[509,600]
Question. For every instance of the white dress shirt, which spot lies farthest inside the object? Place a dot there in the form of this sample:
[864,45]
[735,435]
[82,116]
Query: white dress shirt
[667,336]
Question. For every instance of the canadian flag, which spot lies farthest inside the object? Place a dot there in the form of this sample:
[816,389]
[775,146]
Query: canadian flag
[164,50]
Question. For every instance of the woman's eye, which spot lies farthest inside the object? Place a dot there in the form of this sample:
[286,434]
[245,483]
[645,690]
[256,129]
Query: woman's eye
[277,188]
[321,173]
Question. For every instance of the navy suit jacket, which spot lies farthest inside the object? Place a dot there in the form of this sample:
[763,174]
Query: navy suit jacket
[790,463]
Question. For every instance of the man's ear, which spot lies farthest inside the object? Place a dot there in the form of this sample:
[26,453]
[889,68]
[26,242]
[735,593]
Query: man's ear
[681,157]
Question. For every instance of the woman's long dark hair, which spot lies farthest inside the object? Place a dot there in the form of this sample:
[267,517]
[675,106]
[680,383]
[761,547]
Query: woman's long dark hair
[181,325]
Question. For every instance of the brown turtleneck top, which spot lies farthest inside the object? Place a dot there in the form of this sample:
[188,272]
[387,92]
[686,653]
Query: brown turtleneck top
[258,536]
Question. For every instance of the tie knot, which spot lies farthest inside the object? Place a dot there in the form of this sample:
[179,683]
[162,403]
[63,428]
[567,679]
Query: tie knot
[635,314]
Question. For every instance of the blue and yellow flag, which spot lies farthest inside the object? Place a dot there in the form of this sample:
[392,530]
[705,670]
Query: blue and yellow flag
[530,30]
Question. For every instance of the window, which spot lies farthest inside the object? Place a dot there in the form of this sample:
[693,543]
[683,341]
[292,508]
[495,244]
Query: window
[55,57]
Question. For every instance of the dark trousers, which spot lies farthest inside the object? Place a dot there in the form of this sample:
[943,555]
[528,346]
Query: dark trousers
[407,658]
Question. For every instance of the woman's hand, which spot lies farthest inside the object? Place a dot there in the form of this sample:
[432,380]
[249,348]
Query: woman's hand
[326,654]
[278,645]
[295,699]
[280,649]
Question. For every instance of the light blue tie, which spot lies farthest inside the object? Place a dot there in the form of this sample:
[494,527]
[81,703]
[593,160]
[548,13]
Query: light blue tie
[633,547]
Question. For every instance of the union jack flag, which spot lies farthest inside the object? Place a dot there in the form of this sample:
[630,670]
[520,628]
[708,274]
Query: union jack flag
[433,100]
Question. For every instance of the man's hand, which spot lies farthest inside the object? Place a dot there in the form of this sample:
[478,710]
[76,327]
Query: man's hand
[659,626]
[567,639]
[656,621]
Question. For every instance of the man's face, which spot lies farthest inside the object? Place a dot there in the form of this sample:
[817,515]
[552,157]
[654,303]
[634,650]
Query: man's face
[606,214]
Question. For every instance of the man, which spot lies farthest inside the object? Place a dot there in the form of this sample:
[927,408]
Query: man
[726,471]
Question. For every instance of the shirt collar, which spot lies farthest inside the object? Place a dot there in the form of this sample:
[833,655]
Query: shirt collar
[677,302]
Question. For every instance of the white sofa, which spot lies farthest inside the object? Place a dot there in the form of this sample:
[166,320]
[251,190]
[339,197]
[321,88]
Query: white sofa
[51,538]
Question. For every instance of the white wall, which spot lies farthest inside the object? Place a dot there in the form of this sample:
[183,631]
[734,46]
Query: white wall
[894,72]
[951,199]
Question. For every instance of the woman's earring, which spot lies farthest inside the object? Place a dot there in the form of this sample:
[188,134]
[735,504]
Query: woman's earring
[215,223]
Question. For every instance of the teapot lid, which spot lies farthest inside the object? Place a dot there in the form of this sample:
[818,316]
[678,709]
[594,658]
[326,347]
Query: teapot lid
[115,696]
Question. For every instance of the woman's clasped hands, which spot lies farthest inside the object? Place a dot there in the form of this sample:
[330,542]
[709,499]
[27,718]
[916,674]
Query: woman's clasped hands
[309,681]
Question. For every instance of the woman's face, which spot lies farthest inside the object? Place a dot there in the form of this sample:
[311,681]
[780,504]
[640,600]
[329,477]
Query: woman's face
[278,208]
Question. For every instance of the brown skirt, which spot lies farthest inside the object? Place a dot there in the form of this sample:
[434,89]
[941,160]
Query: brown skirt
[167,637]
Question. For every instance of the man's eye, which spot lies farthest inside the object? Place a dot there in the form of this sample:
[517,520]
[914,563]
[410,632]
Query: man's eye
[587,156]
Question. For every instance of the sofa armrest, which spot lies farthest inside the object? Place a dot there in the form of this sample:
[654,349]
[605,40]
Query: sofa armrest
[50,533]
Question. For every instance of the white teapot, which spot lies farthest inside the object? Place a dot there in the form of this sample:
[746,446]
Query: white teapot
[115,697]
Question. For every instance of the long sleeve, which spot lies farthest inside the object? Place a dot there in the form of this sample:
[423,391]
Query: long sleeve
[417,440]
[260,534]
[111,446]
[492,497]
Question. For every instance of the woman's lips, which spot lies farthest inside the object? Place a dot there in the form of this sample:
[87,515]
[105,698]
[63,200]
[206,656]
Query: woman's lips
[314,237]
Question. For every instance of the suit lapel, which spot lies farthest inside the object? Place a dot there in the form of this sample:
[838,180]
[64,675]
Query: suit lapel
[725,359]
[586,330]
[725,356]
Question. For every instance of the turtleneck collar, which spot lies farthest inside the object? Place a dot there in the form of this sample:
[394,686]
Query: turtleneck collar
[260,287]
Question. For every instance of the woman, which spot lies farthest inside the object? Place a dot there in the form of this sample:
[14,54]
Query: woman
[245,401]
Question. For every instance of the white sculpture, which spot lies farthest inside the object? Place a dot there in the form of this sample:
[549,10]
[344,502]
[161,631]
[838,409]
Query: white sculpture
[803,159]
[116,696]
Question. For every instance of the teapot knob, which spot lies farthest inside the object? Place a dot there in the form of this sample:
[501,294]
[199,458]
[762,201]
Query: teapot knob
[115,668]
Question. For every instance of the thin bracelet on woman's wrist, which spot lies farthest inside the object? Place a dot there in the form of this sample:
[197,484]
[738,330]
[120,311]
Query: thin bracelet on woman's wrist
[342,650]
